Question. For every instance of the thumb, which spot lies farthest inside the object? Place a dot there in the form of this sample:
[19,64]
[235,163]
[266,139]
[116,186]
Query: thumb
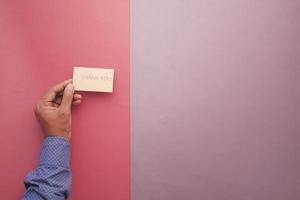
[67,97]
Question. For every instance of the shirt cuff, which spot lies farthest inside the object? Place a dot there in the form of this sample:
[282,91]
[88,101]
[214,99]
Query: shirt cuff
[55,152]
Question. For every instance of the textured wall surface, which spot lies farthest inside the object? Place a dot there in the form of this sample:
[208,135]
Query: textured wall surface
[215,99]
[40,41]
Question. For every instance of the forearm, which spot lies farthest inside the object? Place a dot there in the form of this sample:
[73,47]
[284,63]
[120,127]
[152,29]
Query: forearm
[52,178]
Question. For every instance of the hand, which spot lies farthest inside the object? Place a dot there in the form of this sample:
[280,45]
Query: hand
[53,110]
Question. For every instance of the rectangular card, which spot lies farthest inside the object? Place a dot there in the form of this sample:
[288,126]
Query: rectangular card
[93,79]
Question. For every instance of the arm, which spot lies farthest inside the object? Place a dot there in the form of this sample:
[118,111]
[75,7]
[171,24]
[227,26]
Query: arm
[52,177]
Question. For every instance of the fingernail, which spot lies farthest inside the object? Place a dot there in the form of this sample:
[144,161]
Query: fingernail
[70,87]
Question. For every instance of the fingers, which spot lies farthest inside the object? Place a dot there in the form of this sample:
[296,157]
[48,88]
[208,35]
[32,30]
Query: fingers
[76,97]
[67,98]
[76,102]
[53,91]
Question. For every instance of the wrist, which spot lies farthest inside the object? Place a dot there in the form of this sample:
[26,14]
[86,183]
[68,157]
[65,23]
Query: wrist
[58,133]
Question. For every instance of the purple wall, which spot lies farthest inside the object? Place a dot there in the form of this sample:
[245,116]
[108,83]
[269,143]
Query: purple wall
[215,100]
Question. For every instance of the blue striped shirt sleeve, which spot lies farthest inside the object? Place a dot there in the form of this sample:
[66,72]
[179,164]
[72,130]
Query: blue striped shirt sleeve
[52,177]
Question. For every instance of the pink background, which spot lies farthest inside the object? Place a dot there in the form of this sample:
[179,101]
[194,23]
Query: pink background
[215,99]
[39,44]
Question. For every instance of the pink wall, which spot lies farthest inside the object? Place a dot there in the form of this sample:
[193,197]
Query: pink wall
[215,100]
[40,42]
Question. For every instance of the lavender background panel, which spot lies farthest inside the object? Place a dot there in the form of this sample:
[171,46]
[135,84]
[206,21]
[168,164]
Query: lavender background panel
[215,99]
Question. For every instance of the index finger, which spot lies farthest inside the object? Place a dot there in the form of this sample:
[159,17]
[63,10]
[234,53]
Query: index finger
[54,90]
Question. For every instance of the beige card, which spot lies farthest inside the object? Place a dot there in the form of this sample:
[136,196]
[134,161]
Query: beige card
[93,79]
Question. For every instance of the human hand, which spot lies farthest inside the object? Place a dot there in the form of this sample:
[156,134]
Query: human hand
[53,110]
